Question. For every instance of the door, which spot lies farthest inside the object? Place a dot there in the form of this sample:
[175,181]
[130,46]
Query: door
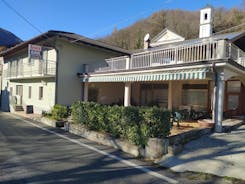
[19,94]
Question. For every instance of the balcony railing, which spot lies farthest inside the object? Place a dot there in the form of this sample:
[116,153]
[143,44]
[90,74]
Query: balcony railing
[113,64]
[189,53]
[36,68]
[237,54]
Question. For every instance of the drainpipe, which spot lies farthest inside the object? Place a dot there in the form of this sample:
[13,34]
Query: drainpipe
[56,74]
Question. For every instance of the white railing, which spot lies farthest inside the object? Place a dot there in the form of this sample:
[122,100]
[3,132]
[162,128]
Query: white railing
[181,54]
[35,68]
[188,53]
[113,64]
[236,54]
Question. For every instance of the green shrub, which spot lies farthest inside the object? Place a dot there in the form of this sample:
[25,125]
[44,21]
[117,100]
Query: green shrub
[79,113]
[114,117]
[59,112]
[136,124]
[157,121]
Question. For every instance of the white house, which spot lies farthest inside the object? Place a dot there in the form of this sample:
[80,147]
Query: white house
[203,74]
[49,79]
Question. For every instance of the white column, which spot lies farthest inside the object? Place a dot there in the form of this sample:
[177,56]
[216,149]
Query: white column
[85,92]
[219,101]
[170,98]
[127,94]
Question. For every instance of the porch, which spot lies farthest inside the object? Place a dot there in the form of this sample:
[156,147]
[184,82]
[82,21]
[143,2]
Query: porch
[172,95]
[194,97]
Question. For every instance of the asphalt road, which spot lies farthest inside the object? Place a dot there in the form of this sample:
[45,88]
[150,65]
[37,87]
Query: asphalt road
[33,153]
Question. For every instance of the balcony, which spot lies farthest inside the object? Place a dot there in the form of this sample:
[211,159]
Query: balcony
[187,53]
[33,69]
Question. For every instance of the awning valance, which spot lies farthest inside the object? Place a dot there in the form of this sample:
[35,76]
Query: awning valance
[187,74]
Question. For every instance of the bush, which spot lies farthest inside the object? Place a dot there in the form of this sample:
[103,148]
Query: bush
[157,122]
[59,112]
[136,124]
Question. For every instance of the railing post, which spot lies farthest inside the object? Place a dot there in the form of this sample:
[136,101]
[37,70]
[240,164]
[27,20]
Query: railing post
[229,54]
[151,56]
[175,56]
[221,49]
[128,63]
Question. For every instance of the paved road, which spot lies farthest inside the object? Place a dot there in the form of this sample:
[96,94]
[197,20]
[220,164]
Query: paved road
[31,154]
[221,154]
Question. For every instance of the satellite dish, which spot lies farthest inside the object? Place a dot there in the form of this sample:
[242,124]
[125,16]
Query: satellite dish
[147,37]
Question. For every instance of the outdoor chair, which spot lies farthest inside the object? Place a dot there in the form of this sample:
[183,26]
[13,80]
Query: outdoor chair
[177,117]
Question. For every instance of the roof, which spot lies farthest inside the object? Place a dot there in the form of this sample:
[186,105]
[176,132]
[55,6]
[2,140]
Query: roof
[72,37]
[159,35]
[8,39]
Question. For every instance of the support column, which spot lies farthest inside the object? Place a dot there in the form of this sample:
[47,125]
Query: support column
[170,98]
[85,92]
[127,94]
[219,101]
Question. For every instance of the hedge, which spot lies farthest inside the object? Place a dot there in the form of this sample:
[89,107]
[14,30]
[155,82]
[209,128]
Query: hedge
[58,112]
[136,124]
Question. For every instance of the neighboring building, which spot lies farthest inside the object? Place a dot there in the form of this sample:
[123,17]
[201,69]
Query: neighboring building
[7,40]
[175,73]
[50,78]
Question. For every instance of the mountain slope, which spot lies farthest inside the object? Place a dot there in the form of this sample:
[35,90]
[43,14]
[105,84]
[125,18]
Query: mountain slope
[185,23]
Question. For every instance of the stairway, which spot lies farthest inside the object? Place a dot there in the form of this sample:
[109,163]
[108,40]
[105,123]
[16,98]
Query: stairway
[19,108]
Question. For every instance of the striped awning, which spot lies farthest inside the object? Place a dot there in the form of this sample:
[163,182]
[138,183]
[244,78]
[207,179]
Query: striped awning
[187,74]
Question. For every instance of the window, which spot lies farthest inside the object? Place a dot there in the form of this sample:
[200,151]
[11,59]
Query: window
[40,93]
[233,86]
[233,102]
[195,95]
[29,92]
[19,90]
[154,94]
[205,16]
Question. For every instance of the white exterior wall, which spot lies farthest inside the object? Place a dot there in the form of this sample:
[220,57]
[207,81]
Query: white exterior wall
[39,105]
[34,81]
[70,62]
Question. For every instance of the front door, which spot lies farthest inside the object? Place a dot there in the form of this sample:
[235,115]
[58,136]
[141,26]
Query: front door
[19,94]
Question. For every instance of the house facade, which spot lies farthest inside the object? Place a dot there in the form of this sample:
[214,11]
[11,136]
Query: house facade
[206,74]
[50,78]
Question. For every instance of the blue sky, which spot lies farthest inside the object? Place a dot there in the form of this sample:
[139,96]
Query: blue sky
[91,18]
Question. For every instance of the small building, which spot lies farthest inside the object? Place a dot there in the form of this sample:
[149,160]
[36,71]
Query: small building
[41,72]
[206,74]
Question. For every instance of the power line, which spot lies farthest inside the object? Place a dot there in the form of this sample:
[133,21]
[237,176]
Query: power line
[21,16]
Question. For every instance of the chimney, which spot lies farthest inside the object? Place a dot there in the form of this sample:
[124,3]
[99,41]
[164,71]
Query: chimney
[206,22]
[147,41]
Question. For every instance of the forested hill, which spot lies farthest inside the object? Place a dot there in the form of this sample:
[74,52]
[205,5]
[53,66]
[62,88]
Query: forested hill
[185,23]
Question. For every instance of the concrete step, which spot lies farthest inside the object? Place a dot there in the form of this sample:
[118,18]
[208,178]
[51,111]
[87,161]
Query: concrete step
[19,108]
